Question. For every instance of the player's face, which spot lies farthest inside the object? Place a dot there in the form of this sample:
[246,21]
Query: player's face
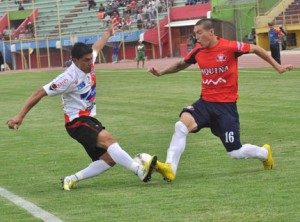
[84,63]
[204,37]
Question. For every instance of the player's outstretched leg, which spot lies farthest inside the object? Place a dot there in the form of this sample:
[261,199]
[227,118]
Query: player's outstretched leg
[143,171]
[247,151]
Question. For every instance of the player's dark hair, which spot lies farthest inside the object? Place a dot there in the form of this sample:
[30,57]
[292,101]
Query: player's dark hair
[80,49]
[208,23]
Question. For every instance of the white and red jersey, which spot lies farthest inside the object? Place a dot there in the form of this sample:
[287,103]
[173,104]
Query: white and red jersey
[219,69]
[77,90]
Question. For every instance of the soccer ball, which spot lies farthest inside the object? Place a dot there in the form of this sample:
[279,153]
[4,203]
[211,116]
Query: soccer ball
[142,158]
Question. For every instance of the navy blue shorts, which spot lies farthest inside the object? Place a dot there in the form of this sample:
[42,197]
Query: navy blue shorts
[85,130]
[221,118]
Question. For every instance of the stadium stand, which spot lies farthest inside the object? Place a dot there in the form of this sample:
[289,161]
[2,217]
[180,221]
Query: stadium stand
[291,15]
[67,17]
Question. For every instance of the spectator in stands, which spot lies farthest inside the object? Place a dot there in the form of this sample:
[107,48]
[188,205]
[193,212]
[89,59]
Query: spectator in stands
[108,10]
[115,15]
[131,7]
[21,8]
[29,29]
[121,22]
[139,21]
[275,36]
[147,24]
[92,4]
[190,2]
[128,22]
[115,54]
[101,8]
[140,54]
[6,33]
[172,3]
[106,20]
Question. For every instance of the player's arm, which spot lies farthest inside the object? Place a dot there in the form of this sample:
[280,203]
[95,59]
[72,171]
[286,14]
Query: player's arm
[16,121]
[268,58]
[100,43]
[176,67]
[280,34]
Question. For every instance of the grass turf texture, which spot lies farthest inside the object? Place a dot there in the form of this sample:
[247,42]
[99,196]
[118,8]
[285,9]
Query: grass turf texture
[140,111]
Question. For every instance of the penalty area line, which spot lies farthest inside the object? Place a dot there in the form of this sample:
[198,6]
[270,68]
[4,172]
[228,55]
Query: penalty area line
[28,206]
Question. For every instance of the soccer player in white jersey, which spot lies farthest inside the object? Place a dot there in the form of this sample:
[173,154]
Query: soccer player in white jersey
[77,87]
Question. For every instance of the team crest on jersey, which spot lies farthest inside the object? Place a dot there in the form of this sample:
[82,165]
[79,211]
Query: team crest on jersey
[221,58]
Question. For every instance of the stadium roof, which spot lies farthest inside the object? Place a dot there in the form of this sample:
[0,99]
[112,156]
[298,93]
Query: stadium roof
[190,22]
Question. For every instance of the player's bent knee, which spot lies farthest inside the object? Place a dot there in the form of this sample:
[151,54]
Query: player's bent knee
[105,139]
[181,127]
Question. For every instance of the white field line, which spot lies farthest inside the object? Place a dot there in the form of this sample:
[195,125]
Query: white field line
[28,206]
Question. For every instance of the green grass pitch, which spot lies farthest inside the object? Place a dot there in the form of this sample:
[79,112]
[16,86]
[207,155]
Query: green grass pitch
[140,110]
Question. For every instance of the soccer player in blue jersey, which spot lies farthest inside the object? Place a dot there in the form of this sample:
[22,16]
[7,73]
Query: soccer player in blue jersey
[275,36]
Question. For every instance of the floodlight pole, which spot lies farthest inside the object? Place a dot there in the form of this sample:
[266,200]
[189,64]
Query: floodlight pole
[170,34]
[59,32]
[158,34]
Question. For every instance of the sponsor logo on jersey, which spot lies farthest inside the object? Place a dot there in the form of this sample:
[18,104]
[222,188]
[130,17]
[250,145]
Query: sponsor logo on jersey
[57,84]
[210,81]
[221,58]
[216,70]
[81,85]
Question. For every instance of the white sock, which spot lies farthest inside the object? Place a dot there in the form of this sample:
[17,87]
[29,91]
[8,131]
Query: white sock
[177,145]
[94,169]
[123,158]
[249,151]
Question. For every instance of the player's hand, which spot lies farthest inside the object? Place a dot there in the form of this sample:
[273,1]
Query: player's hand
[284,68]
[113,28]
[154,71]
[14,123]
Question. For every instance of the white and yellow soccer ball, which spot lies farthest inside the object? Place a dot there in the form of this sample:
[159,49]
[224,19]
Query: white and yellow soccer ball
[142,158]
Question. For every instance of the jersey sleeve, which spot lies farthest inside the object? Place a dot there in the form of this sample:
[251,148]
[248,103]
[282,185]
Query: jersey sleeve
[59,85]
[240,48]
[191,57]
[278,32]
[95,54]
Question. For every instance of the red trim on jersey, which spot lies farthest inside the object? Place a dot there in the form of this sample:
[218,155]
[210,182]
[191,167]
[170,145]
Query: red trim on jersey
[219,69]
[67,119]
[84,113]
